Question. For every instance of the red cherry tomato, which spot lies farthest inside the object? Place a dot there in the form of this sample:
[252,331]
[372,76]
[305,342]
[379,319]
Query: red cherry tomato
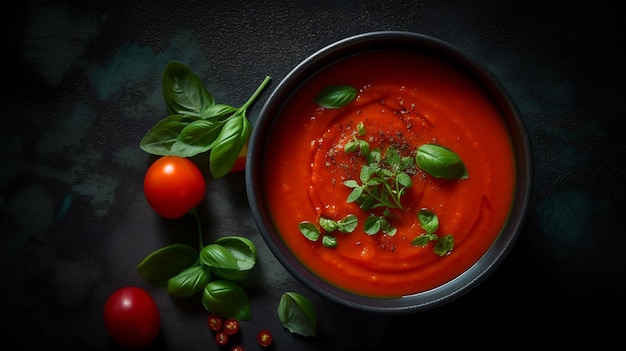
[231,326]
[131,317]
[174,185]
[238,348]
[240,162]
[264,338]
[215,322]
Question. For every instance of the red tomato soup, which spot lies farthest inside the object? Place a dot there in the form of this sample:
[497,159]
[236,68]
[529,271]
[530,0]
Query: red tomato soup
[405,100]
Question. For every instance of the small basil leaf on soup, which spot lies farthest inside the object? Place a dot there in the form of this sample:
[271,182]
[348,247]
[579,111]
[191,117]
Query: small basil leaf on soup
[348,223]
[428,221]
[309,230]
[327,224]
[373,225]
[329,241]
[336,96]
[444,245]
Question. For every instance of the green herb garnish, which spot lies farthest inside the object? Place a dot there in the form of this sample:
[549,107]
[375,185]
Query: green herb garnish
[383,180]
[444,245]
[345,225]
[336,96]
[375,224]
[440,162]
[309,230]
[430,223]
[329,241]
[197,124]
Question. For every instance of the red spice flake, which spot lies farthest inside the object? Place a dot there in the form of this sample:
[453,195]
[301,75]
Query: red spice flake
[214,322]
[221,337]
[231,326]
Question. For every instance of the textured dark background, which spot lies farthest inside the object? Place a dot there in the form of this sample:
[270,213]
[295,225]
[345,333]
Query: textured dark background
[81,86]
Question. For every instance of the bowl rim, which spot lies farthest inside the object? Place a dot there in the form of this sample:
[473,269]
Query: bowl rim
[377,40]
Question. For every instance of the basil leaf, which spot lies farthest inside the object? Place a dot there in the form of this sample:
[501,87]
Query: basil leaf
[327,224]
[215,255]
[423,239]
[309,230]
[336,96]
[372,225]
[184,92]
[218,111]
[329,241]
[196,138]
[297,314]
[428,221]
[356,192]
[231,140]
[243,249]
[232,275]
[404,180]
[166,262]
[444,245]
[388,228]
[189,281]
[226,299]
[366,202]
[440,162]
[348,223]
[159,139]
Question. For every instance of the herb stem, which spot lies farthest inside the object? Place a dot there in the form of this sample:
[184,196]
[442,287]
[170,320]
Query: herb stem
[382,202]
[256,93]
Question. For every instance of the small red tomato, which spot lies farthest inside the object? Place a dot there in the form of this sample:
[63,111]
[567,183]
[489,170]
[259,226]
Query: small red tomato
[264,338]
[221,337]
[174,185]
[131,317]
[240,162]
[215,322]
[238,348]
[231,326]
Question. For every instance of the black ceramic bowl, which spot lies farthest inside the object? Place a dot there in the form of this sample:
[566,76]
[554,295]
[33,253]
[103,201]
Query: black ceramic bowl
[319,61]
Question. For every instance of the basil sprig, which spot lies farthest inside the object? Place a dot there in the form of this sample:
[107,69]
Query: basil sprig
[197,124]
[186,272]
[429,221]
[336,96]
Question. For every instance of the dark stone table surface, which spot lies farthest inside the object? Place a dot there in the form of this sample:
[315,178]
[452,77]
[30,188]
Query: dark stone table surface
[82,85]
